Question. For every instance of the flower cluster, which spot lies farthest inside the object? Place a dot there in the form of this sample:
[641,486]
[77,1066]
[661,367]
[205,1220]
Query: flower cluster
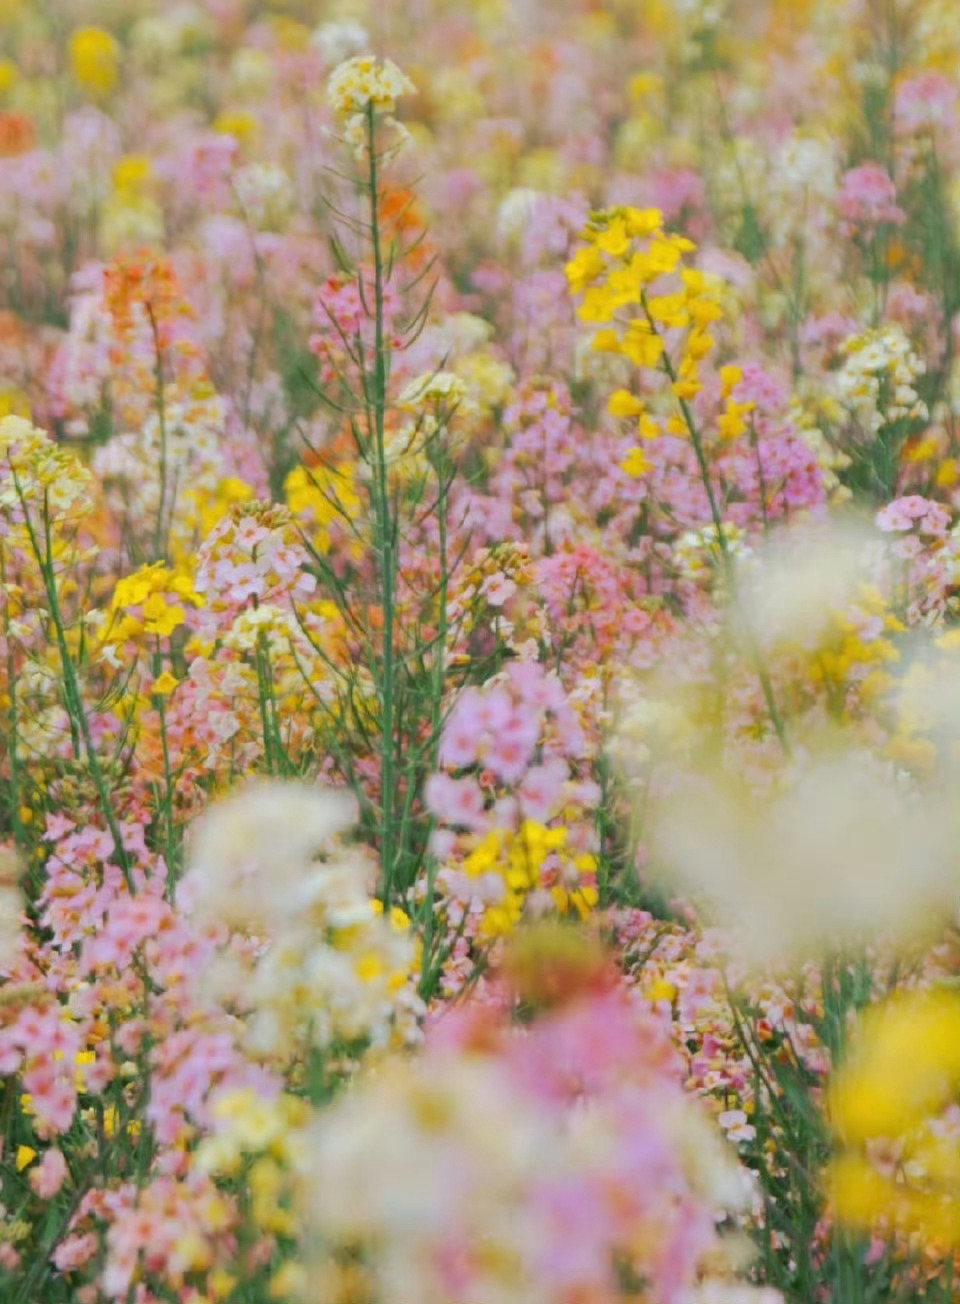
[364,88]
[327,970]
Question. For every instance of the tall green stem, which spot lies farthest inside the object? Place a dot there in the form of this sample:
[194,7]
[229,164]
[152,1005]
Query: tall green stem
[79,724]
[385,534]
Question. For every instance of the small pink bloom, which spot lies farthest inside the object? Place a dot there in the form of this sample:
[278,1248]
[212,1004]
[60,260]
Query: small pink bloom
[49,1175]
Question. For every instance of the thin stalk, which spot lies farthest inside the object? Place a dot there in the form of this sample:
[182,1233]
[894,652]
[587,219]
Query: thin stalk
[376,414]
[766,684]
[13,750]
[79,724]
[158,533]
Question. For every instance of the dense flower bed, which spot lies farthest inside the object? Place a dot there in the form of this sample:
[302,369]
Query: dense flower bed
[479,651]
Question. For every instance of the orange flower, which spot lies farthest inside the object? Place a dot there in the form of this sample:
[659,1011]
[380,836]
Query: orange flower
[17,135]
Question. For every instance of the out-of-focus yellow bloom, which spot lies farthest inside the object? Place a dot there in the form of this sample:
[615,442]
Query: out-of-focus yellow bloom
[906,1064]
[132,174]
[95,60]
[243,127]
[9,76]
[14,403]
[903,1072]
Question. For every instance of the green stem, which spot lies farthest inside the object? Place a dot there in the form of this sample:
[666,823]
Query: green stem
[158,535]
[79,724]
[753,650]
[13,750]
[385,534]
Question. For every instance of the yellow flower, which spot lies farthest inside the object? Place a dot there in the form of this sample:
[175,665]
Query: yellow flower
[9,75]
[242,126]
[636,463]
[645,85]
[131,174]
[615,240]
[669,310]
[364,81]
[906,1065]
[149,588]
[642,346]
[733,422]
[600,302]
[586,266]
[606,342]
[643,222]
[164,684]
[730,378]
[622,405]
[94,58]
[25,1157]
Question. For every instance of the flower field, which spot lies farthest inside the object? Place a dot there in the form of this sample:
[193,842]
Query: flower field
[479,652]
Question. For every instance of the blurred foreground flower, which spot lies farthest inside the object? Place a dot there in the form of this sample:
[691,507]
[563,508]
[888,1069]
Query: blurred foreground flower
[312,958]
[557,1162]
[842,851]
[11,906]
[895,1104]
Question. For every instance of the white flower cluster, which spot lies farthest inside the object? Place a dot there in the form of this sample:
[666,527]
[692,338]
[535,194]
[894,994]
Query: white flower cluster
[876,382]
[362,82]
[698,552]
[312,959]
[443,387]
[34,471]
[158,464]
[339,39]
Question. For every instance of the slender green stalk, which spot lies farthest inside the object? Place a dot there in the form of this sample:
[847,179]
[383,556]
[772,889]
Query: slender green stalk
[385,534]
[13,749]
[759,665]
[159,532]
[79,723]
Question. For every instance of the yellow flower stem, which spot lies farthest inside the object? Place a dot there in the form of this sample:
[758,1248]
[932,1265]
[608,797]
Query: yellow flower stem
[766,684]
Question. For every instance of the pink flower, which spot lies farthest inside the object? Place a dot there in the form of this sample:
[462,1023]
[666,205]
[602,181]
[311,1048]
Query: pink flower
[869,197]
[512,747]
[456,801]
[540,789]
[49,1175]
[924,103]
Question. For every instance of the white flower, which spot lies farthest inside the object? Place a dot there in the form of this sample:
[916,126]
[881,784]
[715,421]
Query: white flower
[252,855]
[340,39]
[443,386]
[844,852]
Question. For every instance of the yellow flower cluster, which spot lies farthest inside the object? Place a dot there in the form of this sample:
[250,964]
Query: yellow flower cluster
[520,858]
[131,218]
[324,495]
[635,289]
[850,643]
[264,1134]
[150,601]
[901,1165]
